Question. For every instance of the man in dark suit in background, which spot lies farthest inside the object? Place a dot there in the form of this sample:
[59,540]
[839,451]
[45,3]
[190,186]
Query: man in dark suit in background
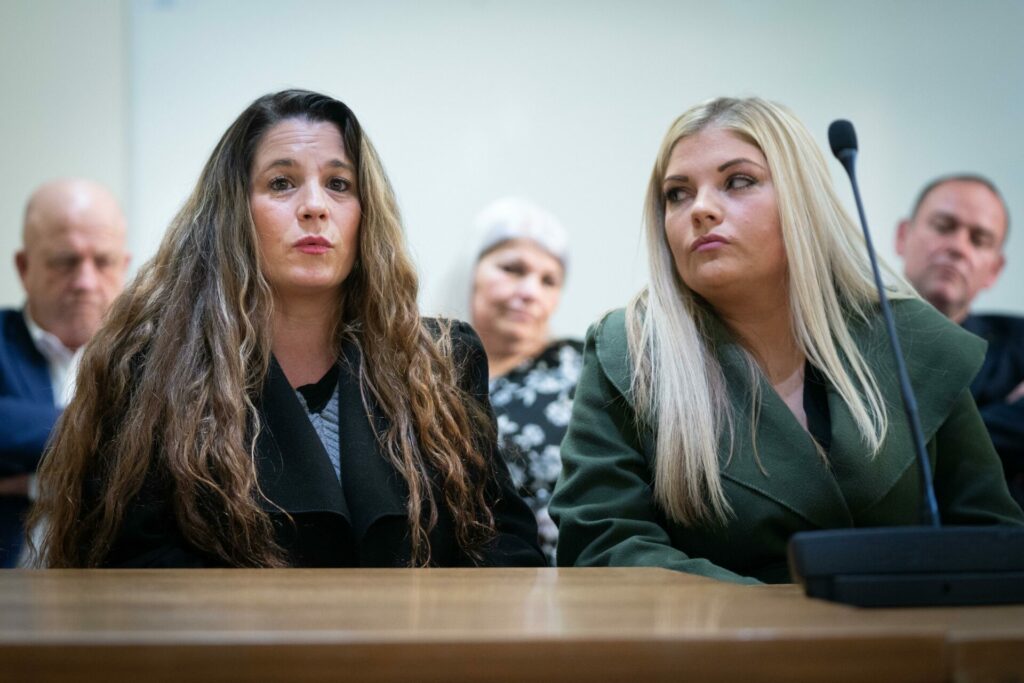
[72,265]
[952,247]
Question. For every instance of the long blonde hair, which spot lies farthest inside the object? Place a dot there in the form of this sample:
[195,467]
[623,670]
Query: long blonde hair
[678,384]
[167,387]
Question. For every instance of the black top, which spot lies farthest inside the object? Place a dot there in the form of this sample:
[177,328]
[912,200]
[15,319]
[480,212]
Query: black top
[819,424]
[358,522]
[1001,373]
[318,394]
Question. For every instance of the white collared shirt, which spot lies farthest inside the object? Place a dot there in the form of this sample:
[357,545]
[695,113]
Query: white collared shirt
[62,361]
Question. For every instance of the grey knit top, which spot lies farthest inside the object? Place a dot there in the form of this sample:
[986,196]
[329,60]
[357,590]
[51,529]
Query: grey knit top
[320,402]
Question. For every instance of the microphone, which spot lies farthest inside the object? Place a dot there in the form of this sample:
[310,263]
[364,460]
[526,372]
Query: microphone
[842,138]
[919,565]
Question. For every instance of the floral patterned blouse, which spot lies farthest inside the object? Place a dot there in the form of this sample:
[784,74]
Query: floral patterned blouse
[533,403]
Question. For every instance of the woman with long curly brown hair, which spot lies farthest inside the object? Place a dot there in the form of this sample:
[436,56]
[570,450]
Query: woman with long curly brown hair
[266,394]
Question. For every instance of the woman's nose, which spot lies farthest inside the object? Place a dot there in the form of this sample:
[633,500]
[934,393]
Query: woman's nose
[528,286]
[706,210]
[314,204]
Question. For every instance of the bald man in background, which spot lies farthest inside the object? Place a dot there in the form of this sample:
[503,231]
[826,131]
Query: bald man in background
[952,249]
[72,265]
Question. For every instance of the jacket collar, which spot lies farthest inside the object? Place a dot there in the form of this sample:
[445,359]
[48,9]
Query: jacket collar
[295,472]
[784,452]
[373,487]
[941,359]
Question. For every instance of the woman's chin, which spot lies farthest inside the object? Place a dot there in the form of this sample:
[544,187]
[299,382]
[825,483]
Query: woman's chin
[307,290]
[522,334]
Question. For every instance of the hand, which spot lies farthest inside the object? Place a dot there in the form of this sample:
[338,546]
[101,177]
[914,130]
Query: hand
[14,486]
[1018,392]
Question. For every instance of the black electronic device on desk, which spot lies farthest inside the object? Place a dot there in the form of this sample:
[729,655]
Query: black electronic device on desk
[912,565]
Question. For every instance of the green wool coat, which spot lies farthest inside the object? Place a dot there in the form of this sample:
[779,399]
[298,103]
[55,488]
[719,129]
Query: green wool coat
[603,502]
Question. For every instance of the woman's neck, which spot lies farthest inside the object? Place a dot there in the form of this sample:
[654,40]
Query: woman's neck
[504,354]
[765,328]
[303,342]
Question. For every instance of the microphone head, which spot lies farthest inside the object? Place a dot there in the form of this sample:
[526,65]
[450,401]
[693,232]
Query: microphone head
[842,138]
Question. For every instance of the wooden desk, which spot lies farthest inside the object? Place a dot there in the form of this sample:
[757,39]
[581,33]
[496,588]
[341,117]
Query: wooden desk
[489,625]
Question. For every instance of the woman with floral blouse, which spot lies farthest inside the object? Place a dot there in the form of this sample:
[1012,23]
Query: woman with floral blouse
[517,282]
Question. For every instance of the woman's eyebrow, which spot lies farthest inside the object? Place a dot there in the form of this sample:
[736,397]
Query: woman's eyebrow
[288,163]
[740,160]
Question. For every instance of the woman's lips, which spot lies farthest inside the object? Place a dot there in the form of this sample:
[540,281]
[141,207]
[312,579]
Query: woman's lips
[313,245]
[708,242]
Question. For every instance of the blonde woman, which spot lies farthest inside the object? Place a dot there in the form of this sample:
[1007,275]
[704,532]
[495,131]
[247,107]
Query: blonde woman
[748,392]
[265,393]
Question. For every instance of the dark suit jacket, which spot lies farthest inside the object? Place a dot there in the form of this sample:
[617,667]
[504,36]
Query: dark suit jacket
[27,412]
[359,521]
[1000,374]
[27,415]
[604,505]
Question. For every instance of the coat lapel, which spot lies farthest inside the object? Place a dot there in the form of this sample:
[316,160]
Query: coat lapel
[831,495]
[785,452]
[294,471]
[937,380]
[373,488]
[864,485]
[612,349]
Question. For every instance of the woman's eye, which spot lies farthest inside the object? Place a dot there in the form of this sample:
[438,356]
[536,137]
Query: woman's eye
[279,184]
[338,184]
[513,268]
[675,195]
[738,182]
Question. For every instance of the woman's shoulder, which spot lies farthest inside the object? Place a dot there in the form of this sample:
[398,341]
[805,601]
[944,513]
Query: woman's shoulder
[918,313]
[929,338]
[924,333]
[609,330]
[461,333]
[558,354]
[565,345]
[607,340]
[941,357]
[460,341]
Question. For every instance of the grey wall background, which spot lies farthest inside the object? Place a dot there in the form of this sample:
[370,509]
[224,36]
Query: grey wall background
[468,100]
[63,107]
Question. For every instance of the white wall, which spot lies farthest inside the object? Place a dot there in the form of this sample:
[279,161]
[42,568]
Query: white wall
[63,107]
[564,102]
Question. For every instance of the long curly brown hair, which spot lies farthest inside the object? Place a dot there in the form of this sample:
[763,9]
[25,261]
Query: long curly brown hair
[171,380]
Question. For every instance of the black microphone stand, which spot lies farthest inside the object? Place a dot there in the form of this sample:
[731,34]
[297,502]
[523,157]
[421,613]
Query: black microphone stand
[914,565]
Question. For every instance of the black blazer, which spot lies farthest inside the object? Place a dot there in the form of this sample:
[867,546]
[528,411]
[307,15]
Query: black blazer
[1002,371]
[357,522]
